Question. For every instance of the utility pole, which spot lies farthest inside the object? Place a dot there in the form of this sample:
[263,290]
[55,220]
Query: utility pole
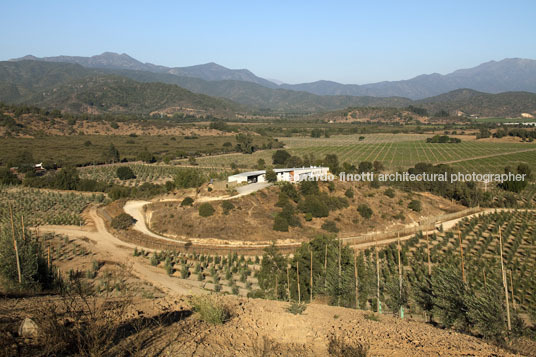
[505,284]
[15,244]
[288,283]
[400,277]
[379,304]
[298,277]
[512,288]
[311,281]
[356,282]
[461,256]
[428,252]
[326,267]
[339,279]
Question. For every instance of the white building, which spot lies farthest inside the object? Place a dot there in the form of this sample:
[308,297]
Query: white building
[289,175]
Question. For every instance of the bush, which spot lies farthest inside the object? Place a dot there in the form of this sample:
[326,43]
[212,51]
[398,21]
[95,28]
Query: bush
[315,206]
[271,176]
[415,205]
[123,221]
[227,206]
[389,193]
[188,178]
[296,308]
[188,201]
[125,173]
[365,211]
[210,310]
[280,157]
[349,193]
[339,348]
[280,224]
[7,177]
[206,210]
[330,226]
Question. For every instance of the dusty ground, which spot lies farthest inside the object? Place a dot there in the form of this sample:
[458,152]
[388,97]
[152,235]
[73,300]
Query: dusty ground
[252,219]
[260,328]
[163,323]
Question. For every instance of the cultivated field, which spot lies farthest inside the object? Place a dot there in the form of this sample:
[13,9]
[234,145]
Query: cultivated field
[152,173]
[39,207]
[480,242]
[396,151]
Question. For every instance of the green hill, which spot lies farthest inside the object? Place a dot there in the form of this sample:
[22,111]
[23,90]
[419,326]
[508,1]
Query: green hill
[74,88]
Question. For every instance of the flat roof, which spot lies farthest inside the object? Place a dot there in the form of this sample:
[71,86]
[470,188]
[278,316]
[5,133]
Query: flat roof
[260,172]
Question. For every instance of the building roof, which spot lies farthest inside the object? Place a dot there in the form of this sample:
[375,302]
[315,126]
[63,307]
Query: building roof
[277,171]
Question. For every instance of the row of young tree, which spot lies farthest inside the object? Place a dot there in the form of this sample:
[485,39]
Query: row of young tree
[25,266]
[378,279]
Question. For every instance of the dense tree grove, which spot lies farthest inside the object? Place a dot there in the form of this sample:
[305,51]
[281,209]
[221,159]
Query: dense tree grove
[325,267]
[35,273]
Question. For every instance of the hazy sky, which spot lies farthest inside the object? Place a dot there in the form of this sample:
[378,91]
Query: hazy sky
[293,41]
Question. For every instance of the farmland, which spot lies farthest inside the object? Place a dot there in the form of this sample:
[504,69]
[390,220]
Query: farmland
[144,173]
[480,242]
[40,207]
[232,273]
[88,149]
[396,151]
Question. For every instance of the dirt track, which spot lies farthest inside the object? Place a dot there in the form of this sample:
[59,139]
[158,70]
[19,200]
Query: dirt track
[116,250]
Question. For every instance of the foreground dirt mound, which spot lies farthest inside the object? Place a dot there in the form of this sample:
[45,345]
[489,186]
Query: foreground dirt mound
[266,328]
[260,328]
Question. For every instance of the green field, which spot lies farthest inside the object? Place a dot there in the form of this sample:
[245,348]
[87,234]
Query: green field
[39,207]
[505,120]
[396,151]
[154,173]
[88,149]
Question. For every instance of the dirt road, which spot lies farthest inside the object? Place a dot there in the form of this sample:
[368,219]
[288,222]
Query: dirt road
[116,250]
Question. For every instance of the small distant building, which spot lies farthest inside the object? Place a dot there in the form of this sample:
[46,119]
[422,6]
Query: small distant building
[288,175]
[527,115]
[39,169]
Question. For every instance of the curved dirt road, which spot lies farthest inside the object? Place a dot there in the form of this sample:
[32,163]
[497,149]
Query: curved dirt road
[114,249]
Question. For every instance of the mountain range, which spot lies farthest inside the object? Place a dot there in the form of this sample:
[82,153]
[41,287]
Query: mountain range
[511,74]
[119,83]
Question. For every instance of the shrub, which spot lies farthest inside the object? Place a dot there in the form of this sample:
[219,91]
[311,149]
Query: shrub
[339,348]
[296,308]
[210,310]
[415,205]
[349,193]
[314,205]
[389,193]
[364,210]
[125,173]
[188,201]
[280,157]
[206,210]
[271,176]
[227,206]
[187,178]
[280,224]
[308,217]
[123,221]
[154,260]
[330,226]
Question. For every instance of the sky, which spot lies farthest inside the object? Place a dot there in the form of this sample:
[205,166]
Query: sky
[292,41]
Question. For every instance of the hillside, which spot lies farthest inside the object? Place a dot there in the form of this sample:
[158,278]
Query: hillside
[511,74]
[252,218]
[80,90]
[507,75]
[110,60]
[509,104]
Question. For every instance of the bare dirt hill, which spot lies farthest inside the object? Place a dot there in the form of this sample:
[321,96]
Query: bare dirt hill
[252,218]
